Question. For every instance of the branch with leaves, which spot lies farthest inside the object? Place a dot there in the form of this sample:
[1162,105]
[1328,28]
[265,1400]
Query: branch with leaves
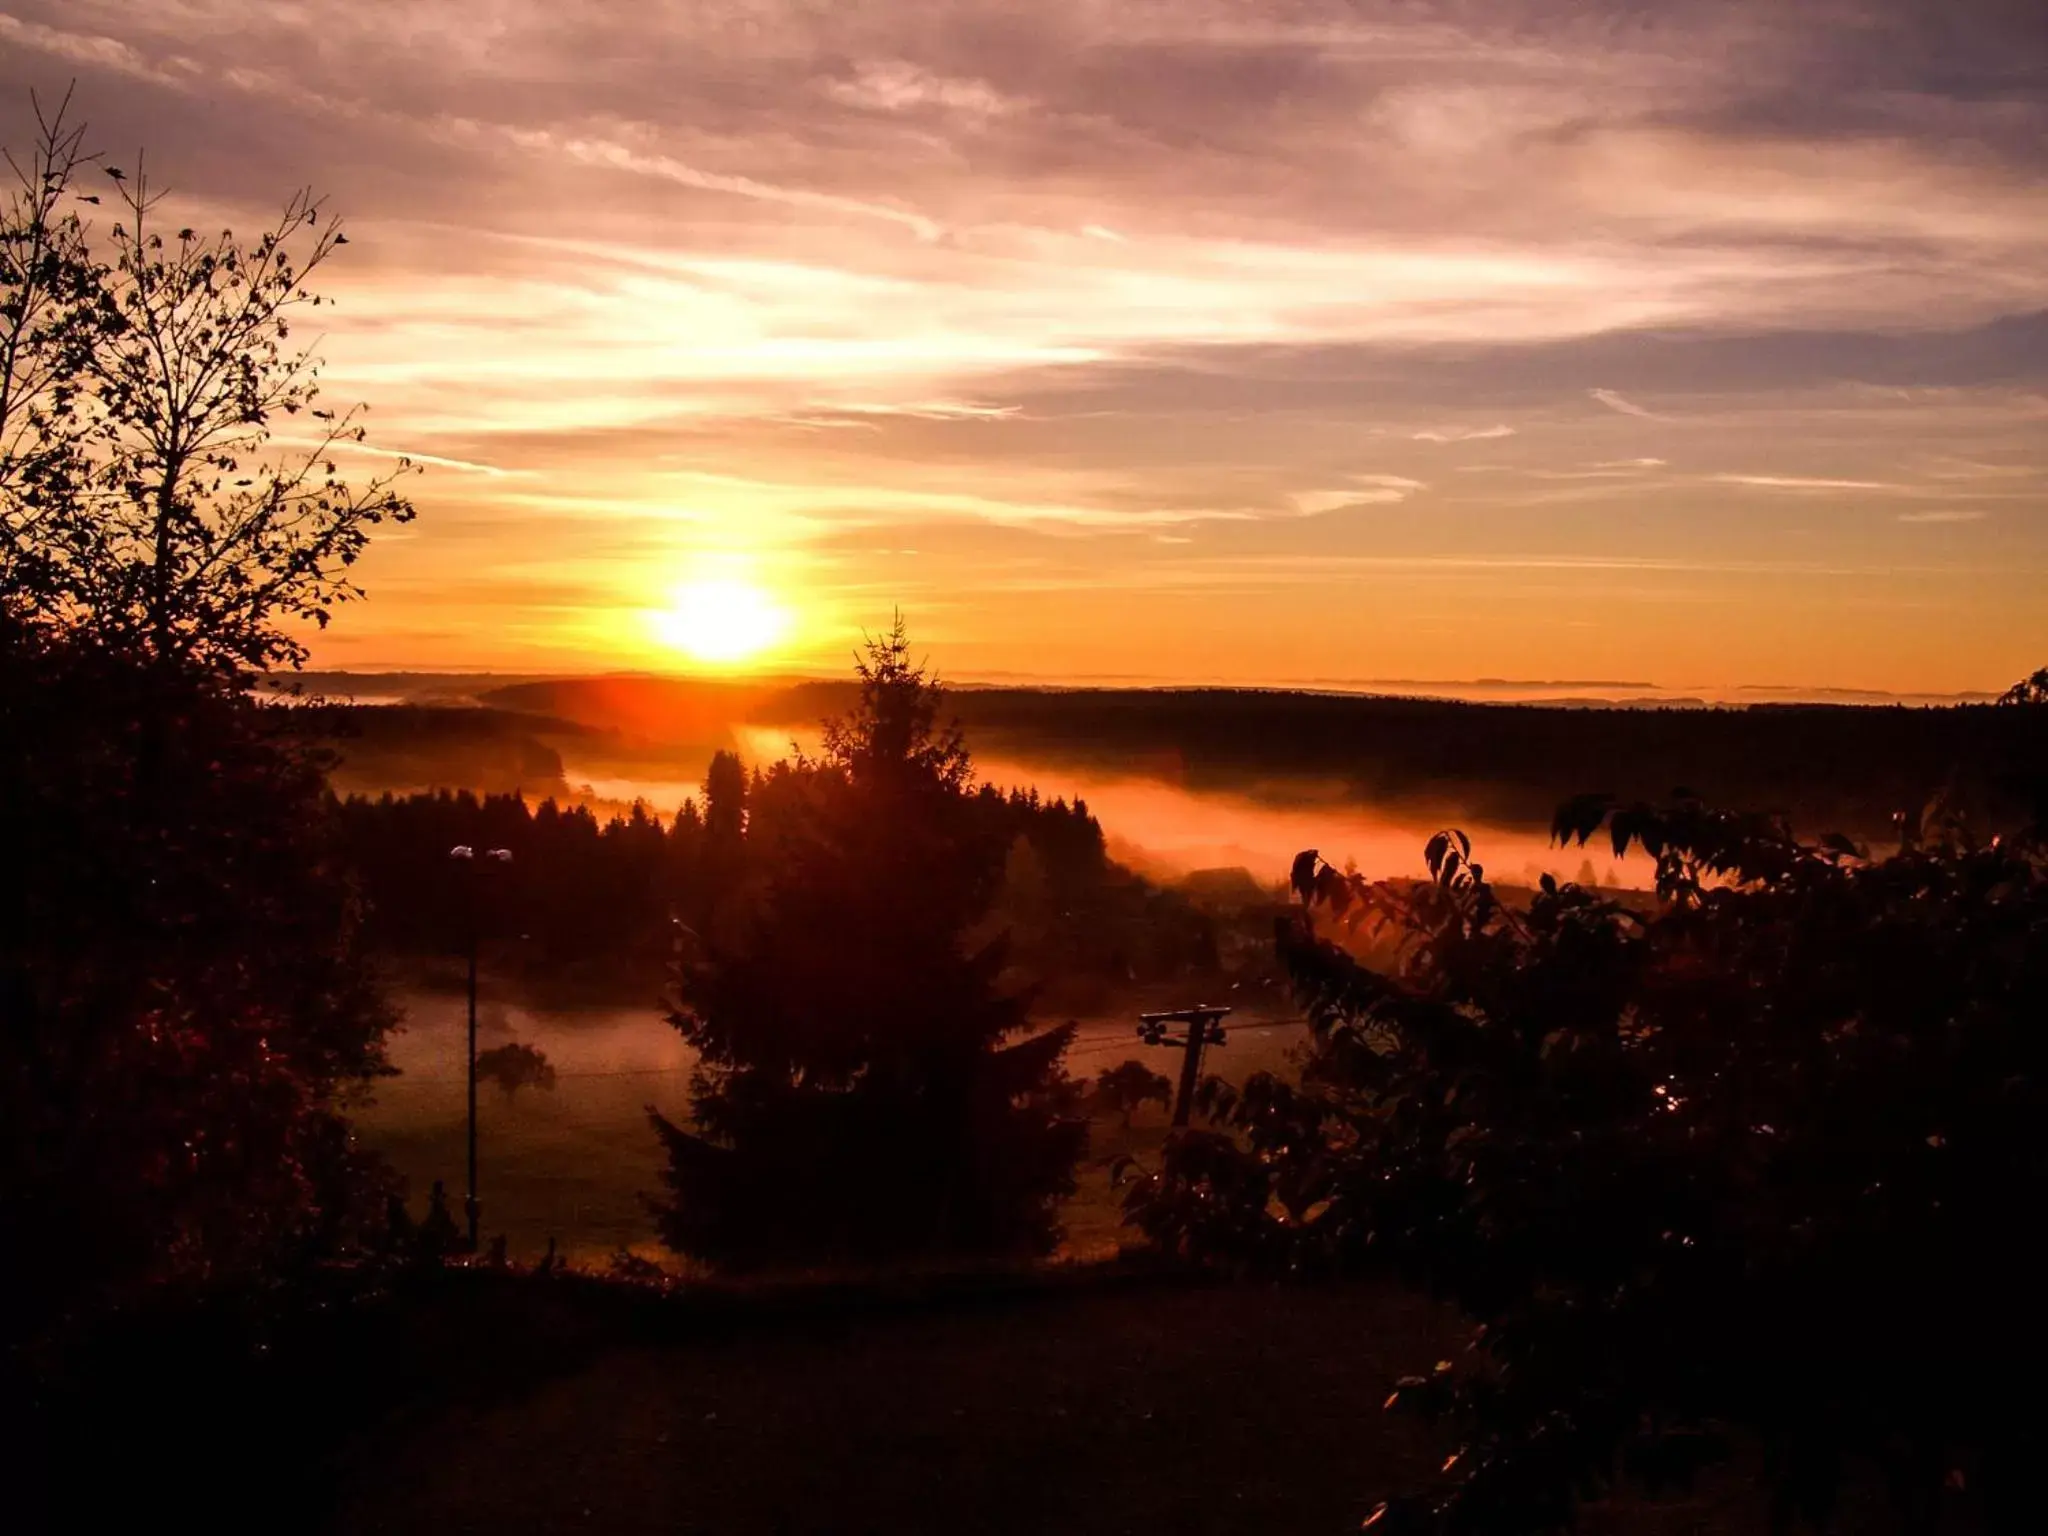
[154,369]
[47,281]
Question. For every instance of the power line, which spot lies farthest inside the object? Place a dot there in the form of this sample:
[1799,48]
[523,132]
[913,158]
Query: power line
[1095,1046]
[1090,1048]
[445,1077]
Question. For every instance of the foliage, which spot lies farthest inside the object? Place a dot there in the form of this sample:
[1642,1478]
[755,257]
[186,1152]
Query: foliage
[515,1065]
[861,1092]
[147,494]
[183,1010]
[2032,689]
[591,905]
[1758,1154]
[1126,1088]
[46,283]
[578,894]
[892,741]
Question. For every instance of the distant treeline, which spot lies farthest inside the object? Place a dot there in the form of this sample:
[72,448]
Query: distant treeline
[592,904]
[490,751]
[1825,767]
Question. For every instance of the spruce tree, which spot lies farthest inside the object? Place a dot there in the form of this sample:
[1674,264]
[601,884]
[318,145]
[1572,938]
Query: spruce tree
[865,1091]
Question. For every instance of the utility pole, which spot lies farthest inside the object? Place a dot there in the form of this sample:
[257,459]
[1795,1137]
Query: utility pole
[466,856]
[1204,1027]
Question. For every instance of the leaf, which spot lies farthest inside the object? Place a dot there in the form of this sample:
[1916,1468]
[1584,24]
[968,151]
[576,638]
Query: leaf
[1579,818]
[1626,827]
[1302,875]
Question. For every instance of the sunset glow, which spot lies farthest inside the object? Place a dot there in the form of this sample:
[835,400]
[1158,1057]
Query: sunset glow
[1700,345]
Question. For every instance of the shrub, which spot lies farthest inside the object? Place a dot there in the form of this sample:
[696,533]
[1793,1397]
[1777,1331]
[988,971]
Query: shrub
[1126,1088]
[183,1007]
[1761,1154]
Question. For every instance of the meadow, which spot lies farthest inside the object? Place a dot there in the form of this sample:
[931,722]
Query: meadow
[572,1163]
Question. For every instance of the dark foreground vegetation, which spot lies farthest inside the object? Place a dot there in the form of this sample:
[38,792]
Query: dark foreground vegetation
[1744,1171]
[186,1007]
[1758,1162]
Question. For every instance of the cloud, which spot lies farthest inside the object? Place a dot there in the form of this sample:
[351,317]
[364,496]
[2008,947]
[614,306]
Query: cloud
[924,410]
[1615,402]
[895,85]
[1366,490]
[606,153]
[751,272]
[1801,483]
[1463,434]
[1951,515]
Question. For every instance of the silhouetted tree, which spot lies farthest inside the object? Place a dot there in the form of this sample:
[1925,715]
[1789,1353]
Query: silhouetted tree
[438,1234]
[860,1094]
[47,281]
[2030,690]
[598,903]
[183,1005]
[145,495]
[515,1065]
[725,799]
[1129,1086]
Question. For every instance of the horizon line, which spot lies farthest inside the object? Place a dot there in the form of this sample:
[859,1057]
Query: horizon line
[1702,693]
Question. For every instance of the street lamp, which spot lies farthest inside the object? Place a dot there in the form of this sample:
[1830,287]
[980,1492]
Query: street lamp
[466,856]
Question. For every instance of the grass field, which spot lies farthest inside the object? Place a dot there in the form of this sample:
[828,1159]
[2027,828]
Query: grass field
[572,1163]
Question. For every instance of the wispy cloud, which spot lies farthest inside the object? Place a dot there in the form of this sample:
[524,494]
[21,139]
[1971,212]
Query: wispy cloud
[1627,407]
[609,154]
[1393,489]
[1463,434]
[894,85]
[1803,483]
[1948,515]
[343,449]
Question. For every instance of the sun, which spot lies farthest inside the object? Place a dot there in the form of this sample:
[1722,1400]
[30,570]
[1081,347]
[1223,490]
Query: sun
[721,620]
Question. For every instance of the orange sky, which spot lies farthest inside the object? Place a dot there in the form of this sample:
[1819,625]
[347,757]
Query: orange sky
[1701,344]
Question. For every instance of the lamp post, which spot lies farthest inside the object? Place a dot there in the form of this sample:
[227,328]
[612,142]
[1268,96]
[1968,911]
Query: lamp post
[467,856]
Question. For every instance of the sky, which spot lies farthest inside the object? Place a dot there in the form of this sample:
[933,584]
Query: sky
[1267,341]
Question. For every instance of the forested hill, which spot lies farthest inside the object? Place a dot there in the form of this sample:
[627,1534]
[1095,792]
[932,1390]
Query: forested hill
[1846,767]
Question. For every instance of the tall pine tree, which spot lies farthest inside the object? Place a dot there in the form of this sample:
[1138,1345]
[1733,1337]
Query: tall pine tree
[863,1092]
